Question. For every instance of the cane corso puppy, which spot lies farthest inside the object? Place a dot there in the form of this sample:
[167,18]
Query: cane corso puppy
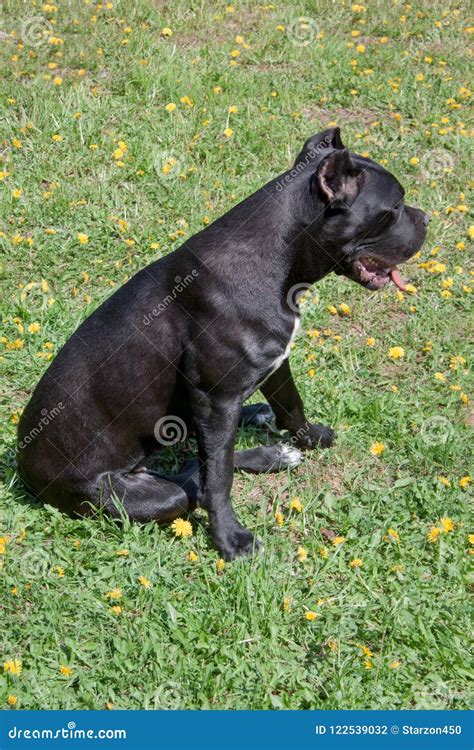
[190,337]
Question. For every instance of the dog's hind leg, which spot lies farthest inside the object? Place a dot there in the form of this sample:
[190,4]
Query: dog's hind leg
[265,459]
[258,415]
[143,496]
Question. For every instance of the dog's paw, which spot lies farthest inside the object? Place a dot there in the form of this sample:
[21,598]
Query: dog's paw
[257,415]
[235,542]
[315,436]
[287,457]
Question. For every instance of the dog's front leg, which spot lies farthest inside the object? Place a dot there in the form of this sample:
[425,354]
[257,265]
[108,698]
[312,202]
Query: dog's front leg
[216,420]
[282,395]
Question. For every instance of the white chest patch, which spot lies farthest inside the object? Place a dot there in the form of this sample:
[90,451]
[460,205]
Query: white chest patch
[279,360]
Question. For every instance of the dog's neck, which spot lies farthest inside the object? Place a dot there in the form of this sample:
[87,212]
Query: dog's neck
[311,257]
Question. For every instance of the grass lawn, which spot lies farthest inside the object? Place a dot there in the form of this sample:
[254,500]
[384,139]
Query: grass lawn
[127,126]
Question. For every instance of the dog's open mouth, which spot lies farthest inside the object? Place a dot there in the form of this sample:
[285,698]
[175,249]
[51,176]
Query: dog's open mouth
[374,273]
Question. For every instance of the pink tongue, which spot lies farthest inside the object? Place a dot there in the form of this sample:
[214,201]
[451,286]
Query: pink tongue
[397,279]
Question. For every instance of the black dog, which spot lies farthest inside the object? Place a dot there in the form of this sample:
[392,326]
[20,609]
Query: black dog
[189,338]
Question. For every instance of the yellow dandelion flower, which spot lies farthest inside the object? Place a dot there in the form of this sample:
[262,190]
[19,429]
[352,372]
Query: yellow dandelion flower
[170,107]
[166,32]
[393,534]
[447,524]
[116,609]
[302,554]
[279,518]
[310,615]
[82,238]
[144,581]
[287,603]
[356,563]
[370,341]
[377,448]
[332,309]
[12,700]
[338,540]
[122,553]
[296,504]
[445,481]
[470,538]
[66,671]
[182,528]
[220,565]
[396,352]
[13,666]
[433,534]
[228,132]
[57,138]
[414,160]
[368,664]
[344,309]
[34,327]
[323,552]
[192,556]
[114,594]
[464,482]
[17,193]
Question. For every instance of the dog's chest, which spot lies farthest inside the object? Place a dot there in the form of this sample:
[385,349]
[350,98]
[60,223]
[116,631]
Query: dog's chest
[286,353]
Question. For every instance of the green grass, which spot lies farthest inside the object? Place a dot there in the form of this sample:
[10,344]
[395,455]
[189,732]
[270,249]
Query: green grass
[198,638]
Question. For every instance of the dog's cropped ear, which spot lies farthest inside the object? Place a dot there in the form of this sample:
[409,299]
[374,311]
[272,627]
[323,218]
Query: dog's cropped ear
[336,178]
[318,143]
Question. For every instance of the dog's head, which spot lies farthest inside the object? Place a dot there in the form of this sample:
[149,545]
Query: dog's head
[361,219]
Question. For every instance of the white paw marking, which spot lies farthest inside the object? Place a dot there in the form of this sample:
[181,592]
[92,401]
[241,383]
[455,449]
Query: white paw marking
[290,456]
